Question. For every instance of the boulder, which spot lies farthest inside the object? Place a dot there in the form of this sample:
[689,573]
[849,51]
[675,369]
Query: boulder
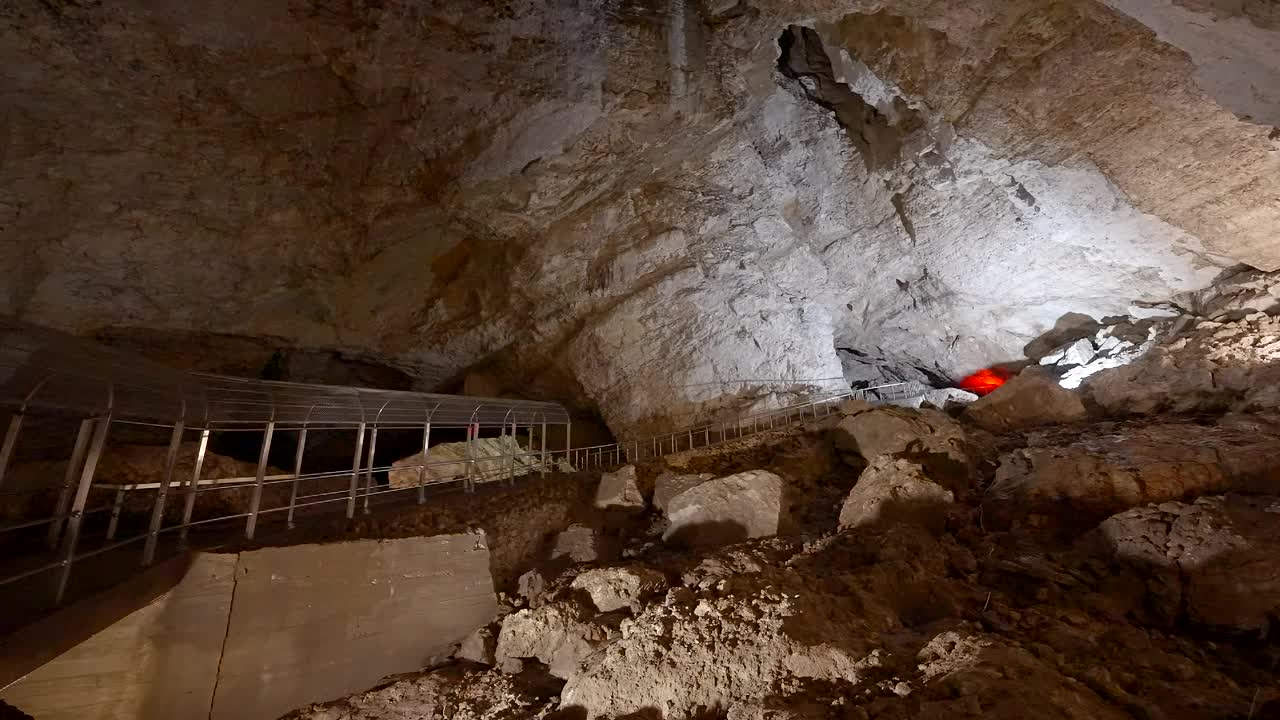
[1097,475]
[579,543]
[947,398]
[892,489]
[1214,562]
[557,635]
[937,398]
[669,485]
[728,509]
[889,431]
[478,647]
[621,587]
[1030,399]
[495,458]
[618,489]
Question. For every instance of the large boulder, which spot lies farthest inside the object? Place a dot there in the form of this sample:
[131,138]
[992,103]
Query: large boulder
[1214,562]
[495,458]
[891,431]
[893,489]
[1032,398]
[728,509]
[620,587]
[669,485]
[618,489]
[1093,476]
[557,635]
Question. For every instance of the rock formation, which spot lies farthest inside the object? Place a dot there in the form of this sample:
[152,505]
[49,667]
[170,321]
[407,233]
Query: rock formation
[652,208]
[1087,566]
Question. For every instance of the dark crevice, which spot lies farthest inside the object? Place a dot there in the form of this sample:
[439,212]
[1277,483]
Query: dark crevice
[900,207]
[803,58]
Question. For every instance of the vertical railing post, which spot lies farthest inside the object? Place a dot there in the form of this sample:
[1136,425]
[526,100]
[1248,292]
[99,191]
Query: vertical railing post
[68,481]
[72,536]
[162,494]
[515,441]
[368,473]
[10,442]
[297,473]
[473,429]
[568,443]
[256,503]
[355,472]
[117,506]
[422,471]
[502,450]
[543,462]
[193,487]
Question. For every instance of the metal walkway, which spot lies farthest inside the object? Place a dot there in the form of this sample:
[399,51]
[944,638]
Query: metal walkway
[58,387]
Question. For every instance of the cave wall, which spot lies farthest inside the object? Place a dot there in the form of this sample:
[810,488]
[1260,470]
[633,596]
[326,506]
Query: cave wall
[632,202]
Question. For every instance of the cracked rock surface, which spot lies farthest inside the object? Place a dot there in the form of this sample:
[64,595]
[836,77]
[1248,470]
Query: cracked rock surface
[657,210]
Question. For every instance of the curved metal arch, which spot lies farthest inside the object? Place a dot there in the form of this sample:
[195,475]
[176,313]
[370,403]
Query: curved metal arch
[22,409]
[378,418]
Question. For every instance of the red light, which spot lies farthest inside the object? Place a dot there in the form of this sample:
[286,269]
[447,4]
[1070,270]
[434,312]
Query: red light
[985,381]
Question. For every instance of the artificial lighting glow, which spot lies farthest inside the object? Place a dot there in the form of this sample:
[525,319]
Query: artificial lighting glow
[985,381]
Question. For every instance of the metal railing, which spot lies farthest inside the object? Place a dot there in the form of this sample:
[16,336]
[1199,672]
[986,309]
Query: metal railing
[714,433]
[76,513]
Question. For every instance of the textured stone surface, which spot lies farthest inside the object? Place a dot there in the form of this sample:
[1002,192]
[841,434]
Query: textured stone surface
[1223,354]
[728,509]
[1030,399]
[619,587]
[892,489]
[1215,562]
[723,654]
[478,647]
[158,662]
[618,489]
[669,485]
[558,636]
[887,431]
[579,543]
[495,458]
[1085,477]
[634,200]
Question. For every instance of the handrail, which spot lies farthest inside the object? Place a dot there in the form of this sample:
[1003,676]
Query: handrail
[887,392]
[336,487]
